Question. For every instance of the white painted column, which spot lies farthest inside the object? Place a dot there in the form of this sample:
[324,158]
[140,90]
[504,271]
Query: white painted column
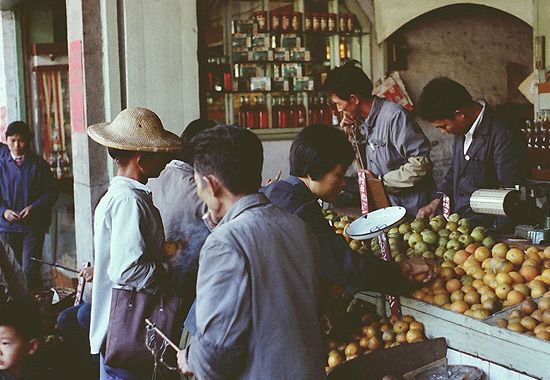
[9,72]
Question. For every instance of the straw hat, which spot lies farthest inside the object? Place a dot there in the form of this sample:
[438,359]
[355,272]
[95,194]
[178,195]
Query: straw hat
[135,129]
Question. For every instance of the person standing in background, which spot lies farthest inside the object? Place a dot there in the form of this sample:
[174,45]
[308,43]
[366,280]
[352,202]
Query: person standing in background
[487,152]
[28,191]
[181,209]
[396,149]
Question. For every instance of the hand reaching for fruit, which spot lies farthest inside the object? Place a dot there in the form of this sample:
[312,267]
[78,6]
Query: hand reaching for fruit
[417,269]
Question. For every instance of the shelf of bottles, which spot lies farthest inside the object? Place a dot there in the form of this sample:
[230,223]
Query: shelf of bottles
[537,134]
[274,64]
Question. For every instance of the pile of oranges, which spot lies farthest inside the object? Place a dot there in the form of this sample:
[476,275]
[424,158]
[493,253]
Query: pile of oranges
[531,318]
[479,281]
[375,333]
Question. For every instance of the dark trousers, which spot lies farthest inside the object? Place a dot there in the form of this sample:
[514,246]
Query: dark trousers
[74,323]
[26,245]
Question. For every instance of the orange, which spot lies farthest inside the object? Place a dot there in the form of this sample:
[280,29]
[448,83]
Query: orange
[472,298]
[504,278]
[447,273]
[547,253]
[522,288]
[459,306]
[546,276]
[499,250]
[460,257]
[482,253]
[534,256]
[453,285]
[518,278]
[472,248]
[441,299]
[414,336]
[514,297]
[528,272]
[531,262]
[415,325]
[515,256]
[502,291]
[459,271]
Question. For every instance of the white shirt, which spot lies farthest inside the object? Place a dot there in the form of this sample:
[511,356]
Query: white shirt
[128,242]
[469,136]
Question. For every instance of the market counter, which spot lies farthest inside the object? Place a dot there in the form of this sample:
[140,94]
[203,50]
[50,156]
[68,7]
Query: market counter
[519,352]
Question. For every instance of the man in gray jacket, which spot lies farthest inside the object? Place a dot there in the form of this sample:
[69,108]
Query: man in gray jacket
[257,287]
[395,148]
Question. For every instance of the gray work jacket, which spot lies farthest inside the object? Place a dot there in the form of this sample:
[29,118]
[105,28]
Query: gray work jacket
[399,152]
[258,297]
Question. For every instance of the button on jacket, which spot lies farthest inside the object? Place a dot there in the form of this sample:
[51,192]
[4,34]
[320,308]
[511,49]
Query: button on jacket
[398,150]
[257,298]
[496,158]
[31,183]
[128,246]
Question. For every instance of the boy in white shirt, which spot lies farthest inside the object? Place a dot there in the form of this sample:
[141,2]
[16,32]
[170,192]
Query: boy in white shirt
[128,231]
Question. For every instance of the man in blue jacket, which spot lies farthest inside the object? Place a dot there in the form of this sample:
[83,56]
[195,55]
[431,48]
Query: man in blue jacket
[27,193]
[487,153]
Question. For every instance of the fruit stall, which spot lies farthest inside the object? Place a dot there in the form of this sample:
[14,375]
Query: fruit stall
[489,298]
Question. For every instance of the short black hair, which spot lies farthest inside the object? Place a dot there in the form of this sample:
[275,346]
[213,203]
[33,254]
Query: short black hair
[231,153]
[117,154]
[193,128]
[348,79]
[23,316]
[317,149]
[18,128]
[441,97]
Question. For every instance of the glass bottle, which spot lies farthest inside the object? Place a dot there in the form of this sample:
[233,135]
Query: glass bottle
[292,113]
[325,112]
[282,113]
[537,141]
[261,117]
[275,112]
[313,111]
[250,116]
[243,111]
[301,112]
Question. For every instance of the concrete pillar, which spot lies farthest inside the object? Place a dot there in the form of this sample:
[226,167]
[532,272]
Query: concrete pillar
[91,177]
[9,72]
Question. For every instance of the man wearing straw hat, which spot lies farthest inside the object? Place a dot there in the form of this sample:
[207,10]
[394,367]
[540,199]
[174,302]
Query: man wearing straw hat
[126,223]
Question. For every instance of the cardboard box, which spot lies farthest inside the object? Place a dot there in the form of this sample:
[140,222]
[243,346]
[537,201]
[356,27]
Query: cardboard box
[240,55]
[259,54]
[240,41]
[290,41]
[291,70]
[281,54]
[260,84]
[303,84]
[280,84]
[261,40]
[300,54]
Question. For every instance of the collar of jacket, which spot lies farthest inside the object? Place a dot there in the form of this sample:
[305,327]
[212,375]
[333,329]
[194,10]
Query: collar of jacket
[479,138]
[373,113]
[182,165]
[245,203]
[132,183]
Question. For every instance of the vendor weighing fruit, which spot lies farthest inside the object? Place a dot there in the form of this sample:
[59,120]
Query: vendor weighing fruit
[396,150]
[319,158]
[487,153]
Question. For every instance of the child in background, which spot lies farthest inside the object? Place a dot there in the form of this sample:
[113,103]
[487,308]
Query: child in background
[19,341]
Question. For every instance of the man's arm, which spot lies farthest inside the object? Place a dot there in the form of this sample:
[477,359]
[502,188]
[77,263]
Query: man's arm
[510,157]
[407,137]
[48,187]
[223,313]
